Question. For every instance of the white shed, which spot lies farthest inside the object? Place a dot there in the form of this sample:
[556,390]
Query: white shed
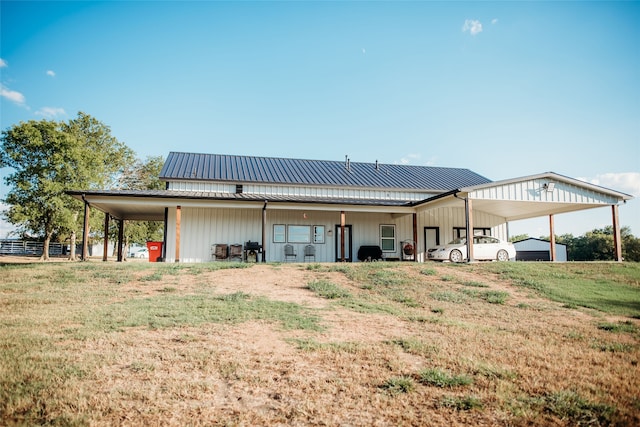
[533,249]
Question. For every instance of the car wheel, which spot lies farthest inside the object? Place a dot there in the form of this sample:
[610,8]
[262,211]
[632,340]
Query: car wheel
[502,255]
[455,256]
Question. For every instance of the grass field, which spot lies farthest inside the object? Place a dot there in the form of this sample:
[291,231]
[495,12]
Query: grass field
[513,344]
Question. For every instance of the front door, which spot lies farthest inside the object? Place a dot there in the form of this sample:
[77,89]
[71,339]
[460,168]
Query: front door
[347,244]
[431,238]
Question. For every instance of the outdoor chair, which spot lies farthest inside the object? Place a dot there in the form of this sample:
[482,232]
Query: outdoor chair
[310,252]
[220,252]
[289,253]
[235,252]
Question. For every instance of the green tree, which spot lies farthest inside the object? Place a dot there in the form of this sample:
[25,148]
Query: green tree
[143,175]
[597,245]
[49,158]
[518,237]
[630,245]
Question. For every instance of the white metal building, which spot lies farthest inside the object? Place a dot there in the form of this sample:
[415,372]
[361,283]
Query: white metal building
[336,207]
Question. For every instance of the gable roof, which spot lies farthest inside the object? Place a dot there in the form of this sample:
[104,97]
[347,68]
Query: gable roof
[533,239]
[553,177]
[249,169]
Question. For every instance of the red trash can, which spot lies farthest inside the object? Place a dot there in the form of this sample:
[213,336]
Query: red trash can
[155,251]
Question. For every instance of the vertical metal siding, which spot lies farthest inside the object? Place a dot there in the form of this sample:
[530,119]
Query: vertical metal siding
[203,227]
[534,191]
[291,190]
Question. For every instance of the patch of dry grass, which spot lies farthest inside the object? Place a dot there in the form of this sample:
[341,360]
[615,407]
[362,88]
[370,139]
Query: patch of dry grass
[388,344]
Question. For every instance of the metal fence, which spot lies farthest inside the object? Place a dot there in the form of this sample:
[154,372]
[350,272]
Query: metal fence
[25,247]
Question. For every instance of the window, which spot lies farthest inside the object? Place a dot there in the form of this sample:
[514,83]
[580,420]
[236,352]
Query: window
[299,234]
[279,233]
[460,232]
[318,234]
[388,238]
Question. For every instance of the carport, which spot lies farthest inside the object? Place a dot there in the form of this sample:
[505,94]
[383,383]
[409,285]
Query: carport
[546,194]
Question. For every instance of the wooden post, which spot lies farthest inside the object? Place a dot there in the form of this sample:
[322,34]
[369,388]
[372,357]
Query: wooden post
[342,224]
[178,219]
[85,232]
[120,238]
[415,237]
[164,234]
[552,238]
[105,246]
[617,237]
[469,223]
[264,232]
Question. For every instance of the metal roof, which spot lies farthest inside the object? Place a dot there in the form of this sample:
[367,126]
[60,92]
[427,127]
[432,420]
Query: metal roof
[270,170]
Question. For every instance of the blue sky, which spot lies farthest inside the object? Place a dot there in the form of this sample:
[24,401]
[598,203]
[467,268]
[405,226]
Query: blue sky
[506,89]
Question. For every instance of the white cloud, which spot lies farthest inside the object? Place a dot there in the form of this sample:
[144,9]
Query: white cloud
[494,21]
[473,26]
[407,159]
[625,182]
[3,63]
[12,95]
[50,112]
[51,73]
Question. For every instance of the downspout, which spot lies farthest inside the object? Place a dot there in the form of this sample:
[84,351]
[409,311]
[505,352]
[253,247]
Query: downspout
[264,231]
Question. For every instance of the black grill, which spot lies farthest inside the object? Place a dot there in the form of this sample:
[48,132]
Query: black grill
[252,246]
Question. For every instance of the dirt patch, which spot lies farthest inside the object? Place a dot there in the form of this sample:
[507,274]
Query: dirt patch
[521,356]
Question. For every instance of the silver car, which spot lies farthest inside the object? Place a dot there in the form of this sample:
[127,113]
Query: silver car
[484,248]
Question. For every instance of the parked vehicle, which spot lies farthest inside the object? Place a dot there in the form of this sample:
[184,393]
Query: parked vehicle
[484,248]
[140,253]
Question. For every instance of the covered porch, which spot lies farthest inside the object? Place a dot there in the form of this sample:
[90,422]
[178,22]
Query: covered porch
[547,194]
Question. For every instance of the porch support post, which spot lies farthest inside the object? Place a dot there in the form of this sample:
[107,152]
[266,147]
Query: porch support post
[468,212]
[264,232]
[552,238]
[178,219]
[617,237]
[85,232]
[105,246]
[342,223]
[415,237]
[164,234]
[120,238]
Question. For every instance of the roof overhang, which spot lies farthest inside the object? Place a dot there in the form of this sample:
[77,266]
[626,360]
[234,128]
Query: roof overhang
[150,205]
[529,197]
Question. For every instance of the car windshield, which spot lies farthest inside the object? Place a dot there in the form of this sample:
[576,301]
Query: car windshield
[458,241]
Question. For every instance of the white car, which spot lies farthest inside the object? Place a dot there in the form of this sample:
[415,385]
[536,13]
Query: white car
[484,248]
[141,253]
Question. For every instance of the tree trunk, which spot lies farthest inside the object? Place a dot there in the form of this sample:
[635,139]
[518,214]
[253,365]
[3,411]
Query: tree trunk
[45,248]
[72,251]
[72,240]
[126,248]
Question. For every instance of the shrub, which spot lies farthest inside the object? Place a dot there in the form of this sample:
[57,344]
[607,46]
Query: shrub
[397,385]
[328,290]
[444,379]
